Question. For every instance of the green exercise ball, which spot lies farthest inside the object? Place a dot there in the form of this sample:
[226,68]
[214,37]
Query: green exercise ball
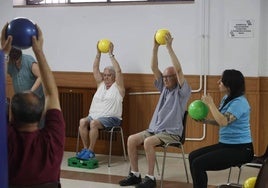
[198,110]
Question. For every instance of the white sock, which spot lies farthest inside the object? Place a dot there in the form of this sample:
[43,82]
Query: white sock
[151,177]
[137,174]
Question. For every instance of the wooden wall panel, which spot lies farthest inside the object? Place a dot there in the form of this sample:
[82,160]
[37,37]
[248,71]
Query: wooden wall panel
[263,117]
[140,105]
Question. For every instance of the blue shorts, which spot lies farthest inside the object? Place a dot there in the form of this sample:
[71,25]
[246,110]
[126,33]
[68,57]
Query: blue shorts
[107,121]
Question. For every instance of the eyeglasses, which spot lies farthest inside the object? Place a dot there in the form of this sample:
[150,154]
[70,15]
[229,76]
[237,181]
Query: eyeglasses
[168,77]
[107,75]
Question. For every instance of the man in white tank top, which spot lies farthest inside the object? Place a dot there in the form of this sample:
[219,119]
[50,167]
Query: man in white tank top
[106,107]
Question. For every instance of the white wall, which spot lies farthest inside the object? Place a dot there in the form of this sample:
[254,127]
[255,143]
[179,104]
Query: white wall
[226,52]
[71,34]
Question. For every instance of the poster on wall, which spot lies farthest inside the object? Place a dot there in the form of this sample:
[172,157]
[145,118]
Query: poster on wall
[241,28]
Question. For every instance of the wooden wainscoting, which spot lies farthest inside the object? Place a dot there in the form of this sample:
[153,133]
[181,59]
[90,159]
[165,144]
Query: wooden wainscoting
[139,105]
[263,117]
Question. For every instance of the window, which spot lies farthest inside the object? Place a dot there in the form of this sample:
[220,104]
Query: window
[55,2]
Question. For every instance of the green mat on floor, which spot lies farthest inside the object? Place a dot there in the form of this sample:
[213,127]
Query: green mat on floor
[89,164]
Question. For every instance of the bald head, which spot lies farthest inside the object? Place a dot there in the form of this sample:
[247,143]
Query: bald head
[170,78]
[169,71]
[26,107]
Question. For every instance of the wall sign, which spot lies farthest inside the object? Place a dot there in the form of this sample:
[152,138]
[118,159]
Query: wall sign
[241,29]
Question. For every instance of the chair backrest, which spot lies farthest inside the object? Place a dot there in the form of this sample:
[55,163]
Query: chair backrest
[262,180]
[184,121]
[258,161]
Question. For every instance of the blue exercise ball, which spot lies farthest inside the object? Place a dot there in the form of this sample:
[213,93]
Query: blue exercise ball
[22,30]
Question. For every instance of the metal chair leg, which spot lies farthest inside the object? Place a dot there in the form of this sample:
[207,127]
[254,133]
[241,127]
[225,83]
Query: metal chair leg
[123,143]
[157,166]
[111,143]
[229,175]
[77,142]
[239,174]
[163,166]
[164,161]
[238,177]
[184,161]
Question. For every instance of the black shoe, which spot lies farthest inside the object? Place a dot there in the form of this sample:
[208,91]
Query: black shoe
[147,183]
[130,180]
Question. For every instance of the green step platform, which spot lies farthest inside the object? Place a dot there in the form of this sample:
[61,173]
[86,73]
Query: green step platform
[89,164]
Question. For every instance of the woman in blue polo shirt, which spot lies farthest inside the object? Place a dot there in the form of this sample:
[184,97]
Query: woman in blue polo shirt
[233,118]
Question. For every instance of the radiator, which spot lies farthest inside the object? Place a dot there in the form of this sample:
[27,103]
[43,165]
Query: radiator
[72,108]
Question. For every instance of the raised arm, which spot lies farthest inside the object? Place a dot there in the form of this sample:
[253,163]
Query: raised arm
[119,79]
[48,80]
[154,61]
[36,73]
[5,43]
[174,59]
[96,67]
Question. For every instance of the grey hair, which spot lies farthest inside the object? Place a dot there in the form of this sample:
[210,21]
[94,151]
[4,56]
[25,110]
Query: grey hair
[111,69]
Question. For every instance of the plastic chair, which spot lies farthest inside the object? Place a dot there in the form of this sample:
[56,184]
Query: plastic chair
[111,131]
[177,145]
[257,162]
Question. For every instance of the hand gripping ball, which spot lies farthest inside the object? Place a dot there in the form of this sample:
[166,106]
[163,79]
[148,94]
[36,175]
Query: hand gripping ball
[22,30]
[104,45]
[198,110]
[160,36]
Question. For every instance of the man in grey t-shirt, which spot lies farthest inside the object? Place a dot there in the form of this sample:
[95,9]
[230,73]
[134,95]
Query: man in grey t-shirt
[166,124]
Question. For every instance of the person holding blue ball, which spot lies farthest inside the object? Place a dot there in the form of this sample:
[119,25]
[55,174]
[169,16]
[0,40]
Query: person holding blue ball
[24,72]
[34,155]
[233,118]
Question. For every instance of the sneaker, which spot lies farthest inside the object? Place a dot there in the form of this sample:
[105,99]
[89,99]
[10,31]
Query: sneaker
[88,154]
[79,154]
[147,183]
[131,179]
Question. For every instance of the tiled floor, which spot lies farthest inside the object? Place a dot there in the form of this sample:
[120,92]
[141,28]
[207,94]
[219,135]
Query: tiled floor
[108,177]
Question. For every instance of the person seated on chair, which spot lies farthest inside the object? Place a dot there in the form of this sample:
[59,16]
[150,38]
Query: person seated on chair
[35,155]
[106,107]
[233,118]
[166,124]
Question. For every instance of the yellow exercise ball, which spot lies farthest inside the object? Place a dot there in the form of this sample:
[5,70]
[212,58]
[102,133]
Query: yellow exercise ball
[250,182]
[160,36]
[104,45]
